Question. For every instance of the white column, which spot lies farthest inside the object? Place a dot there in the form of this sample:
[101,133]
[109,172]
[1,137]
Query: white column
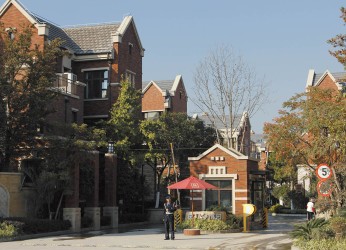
[95,214]
[73,214]
[113,213]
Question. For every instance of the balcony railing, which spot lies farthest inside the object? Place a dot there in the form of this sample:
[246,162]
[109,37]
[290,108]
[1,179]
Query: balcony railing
[66,83]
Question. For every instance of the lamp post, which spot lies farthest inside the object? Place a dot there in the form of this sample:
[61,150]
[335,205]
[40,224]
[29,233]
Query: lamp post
[111,147]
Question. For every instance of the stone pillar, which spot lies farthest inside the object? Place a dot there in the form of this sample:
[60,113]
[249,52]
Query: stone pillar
[73,214]
[114,214]
[111,208]
[95,214]
[110,180]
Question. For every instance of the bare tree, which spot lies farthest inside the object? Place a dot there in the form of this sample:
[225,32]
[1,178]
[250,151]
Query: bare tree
[225,87]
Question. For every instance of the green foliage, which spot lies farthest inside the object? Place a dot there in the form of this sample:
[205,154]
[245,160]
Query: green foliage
[123,125]
[207,225]
[275,208]
[27,75]
[306,132]
[338,225]
[281,192]
[7,230]
[305,230]
[34,226]
[321,244]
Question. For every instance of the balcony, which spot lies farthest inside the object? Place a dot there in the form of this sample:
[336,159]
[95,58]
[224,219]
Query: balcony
[66,83]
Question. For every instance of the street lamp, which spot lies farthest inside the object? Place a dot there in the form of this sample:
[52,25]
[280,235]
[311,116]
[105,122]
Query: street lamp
[111,147]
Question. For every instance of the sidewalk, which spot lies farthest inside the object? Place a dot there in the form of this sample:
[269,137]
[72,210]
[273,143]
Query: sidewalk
[152,237]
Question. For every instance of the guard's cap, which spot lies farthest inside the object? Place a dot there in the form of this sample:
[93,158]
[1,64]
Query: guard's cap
[168,196]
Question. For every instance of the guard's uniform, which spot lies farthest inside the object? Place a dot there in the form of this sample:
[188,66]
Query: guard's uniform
[168,219]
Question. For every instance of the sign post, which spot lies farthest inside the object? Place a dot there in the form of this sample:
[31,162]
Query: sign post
[324,187]
[248,210]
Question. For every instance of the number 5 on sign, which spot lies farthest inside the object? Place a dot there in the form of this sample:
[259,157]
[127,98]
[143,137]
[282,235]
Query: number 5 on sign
[323,172]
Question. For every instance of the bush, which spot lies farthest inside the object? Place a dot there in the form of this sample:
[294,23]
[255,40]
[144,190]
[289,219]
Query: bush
[34,226]
[275,208]
[338,225]
[7,230]
[330,244]
[206,225]
[305,230]
[233,221]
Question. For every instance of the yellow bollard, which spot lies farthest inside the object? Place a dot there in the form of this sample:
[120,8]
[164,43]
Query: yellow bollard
[178,217]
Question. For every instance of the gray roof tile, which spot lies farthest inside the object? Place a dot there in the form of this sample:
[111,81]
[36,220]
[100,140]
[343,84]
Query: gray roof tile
[84,39]
[339,77]
[163,84]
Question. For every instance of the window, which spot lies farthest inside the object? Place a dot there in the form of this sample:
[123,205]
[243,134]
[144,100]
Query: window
[130,48]
[152,115]
[97,84]
[221,196]
[74,116]
[131,77]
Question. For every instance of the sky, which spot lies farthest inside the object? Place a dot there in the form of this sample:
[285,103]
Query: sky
[281,40]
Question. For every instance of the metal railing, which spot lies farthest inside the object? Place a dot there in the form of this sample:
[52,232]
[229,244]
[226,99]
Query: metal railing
[65,83]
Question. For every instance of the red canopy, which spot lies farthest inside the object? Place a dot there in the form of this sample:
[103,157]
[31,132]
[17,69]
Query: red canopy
[192,183]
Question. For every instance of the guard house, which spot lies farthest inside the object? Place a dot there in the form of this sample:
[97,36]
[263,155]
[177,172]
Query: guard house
[238,177]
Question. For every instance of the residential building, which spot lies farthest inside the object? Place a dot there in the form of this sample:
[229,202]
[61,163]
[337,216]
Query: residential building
[98,57]
[239,135]
[237,177]
[163,96]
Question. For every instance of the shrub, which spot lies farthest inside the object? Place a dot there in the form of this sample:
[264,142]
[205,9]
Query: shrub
[338,225]
[275,208]
[33,226]
[7,230]
[305,230]
[330,244]
[233,221]
[207,225]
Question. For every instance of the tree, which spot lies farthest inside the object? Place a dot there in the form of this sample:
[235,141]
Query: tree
[311,130]
[225,87]
[123,129]
[27,73]
[339,42]
[187,135]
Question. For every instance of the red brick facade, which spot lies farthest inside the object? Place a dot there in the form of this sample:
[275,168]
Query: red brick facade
[219,163]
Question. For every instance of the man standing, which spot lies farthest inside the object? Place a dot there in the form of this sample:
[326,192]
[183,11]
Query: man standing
[310,209]
[168,217]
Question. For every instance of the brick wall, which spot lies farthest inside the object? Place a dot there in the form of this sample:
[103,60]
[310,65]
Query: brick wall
[240,167]
[328,83]
[153,99]
[18,200]
[15,19]
[179,100]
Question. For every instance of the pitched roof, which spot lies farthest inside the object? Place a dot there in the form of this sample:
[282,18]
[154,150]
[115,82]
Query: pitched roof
[218,124]
[230,151]
[89,39]
[164,85]
[82,39]
[314,79]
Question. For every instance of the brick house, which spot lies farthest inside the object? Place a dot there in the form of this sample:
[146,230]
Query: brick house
[240,135]
[163,96]
[237,176]
[327,80]
[88,81]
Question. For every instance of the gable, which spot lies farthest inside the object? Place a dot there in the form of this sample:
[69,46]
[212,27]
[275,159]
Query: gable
[231,152]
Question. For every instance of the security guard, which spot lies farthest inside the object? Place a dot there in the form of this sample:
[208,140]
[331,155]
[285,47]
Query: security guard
[168,217]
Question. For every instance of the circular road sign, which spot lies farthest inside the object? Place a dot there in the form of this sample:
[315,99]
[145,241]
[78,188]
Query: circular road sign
[323,172]
[324,188]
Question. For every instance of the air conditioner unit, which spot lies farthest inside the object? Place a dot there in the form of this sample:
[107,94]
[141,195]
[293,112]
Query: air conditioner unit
[71,77]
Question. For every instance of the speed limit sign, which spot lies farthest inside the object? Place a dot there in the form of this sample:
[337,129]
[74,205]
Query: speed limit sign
[323,172]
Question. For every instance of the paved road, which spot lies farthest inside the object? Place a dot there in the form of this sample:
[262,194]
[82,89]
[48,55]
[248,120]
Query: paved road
[275,237]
